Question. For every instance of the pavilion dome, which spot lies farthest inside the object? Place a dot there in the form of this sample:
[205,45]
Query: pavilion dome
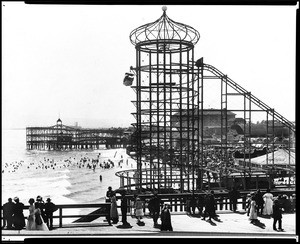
[173,34]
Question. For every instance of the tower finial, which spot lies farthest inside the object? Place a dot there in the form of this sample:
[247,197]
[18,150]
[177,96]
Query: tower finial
[164,8]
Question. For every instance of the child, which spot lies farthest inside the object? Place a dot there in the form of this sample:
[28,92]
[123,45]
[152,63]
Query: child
[139,209]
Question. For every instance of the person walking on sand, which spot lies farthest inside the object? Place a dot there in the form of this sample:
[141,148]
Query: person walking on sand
[31,225]
[50,208]
[277,215]
[8,211]
[165,217]
[268,206]
[18,218]
[113,209]
[139,209]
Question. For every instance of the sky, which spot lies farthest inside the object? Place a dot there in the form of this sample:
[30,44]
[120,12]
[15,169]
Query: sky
[69,61]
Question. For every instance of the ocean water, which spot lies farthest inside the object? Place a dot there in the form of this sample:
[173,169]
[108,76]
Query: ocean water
[59,175]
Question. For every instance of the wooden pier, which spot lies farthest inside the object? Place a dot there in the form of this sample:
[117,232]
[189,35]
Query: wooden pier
[63,137]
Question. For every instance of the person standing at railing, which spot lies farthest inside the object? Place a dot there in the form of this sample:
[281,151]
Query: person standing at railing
[233,197]
[40,224]
[113,209]
[41,205]
[18,218]
[209,206]
[8,209]
[31,225]
[109,194]
[50,208]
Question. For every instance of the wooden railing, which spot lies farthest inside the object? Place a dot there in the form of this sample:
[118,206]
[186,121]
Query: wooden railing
[177,203]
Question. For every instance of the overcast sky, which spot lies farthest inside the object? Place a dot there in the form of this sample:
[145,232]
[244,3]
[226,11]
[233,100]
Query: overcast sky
[70,60]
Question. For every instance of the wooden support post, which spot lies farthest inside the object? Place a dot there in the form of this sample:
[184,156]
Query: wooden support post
[60,217]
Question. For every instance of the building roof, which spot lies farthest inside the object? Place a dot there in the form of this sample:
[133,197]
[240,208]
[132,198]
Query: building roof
[164,29]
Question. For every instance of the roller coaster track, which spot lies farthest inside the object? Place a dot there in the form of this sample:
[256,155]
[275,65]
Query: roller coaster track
[254,99]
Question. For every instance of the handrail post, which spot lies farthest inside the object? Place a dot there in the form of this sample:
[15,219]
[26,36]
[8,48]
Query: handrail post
[60,217]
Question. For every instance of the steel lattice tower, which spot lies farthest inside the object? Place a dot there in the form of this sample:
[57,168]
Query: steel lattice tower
[169,143]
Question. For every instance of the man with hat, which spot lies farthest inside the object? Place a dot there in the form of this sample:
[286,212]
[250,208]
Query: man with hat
[41,205]
[8,211]
[50,208]
[277,215]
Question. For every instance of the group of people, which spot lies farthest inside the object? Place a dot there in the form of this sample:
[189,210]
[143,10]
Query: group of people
[40,214]
[267,205]
[13,217]
[139,205]
[206,205]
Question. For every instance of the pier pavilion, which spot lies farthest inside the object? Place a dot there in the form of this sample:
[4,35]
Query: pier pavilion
[63,137]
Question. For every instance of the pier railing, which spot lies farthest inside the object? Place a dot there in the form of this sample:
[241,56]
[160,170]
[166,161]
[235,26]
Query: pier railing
[76,213]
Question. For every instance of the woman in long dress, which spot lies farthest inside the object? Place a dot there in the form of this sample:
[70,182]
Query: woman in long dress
[31,225]
[165,217]
[268,205]
[113,209]
[253,210]
[139,209]
[40,224]
[18,218]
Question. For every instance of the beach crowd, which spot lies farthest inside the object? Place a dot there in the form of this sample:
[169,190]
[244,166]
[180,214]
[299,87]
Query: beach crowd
[82,162]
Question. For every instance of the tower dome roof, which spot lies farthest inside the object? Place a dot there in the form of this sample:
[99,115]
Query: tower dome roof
[164,30]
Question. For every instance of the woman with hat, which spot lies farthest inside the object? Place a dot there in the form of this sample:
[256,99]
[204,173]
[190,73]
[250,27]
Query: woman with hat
[165,217]
[18,218]
[253,210]
[113,209]
[41,205]
[31,225]
[139,209]
[40,224]
[268,203]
